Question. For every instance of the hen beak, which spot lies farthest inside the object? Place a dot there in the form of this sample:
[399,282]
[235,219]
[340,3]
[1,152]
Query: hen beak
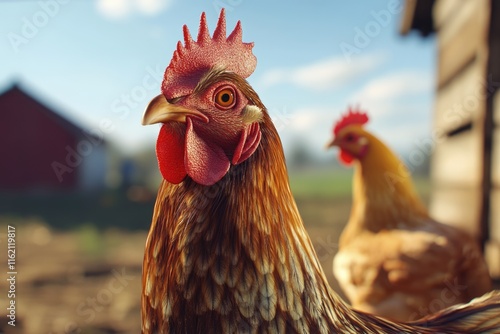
[159,110]
[332,143]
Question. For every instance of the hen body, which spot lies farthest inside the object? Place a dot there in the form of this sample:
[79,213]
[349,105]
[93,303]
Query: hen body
[229,253]
[394,260]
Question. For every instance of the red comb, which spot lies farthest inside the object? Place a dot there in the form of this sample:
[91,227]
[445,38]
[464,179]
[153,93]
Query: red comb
[191,60]
[353,116]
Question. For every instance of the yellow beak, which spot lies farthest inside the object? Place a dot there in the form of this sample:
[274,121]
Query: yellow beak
[331,143]
[159,110]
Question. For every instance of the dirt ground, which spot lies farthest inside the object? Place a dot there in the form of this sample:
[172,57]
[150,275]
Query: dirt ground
[90,282]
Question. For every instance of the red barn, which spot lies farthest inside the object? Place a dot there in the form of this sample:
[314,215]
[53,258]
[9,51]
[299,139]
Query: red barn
[42,151]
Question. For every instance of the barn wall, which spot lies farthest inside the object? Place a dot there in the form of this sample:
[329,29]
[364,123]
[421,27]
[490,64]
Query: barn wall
[492,247]
[458,160]
[30,142]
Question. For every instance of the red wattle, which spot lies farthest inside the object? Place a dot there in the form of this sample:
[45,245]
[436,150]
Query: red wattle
[180,154]
[205,163]
[345,158]
[170,154]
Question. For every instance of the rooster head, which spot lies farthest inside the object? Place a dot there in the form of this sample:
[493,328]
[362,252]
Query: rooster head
[210,115]
[350,137]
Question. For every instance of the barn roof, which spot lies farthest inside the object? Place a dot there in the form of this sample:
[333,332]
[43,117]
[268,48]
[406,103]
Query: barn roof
[16,92]
[417,15]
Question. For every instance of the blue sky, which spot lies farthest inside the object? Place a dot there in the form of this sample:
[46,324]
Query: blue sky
[100,62]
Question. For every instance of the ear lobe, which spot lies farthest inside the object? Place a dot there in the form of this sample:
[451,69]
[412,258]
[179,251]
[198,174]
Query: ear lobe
[249,141]
[363,150]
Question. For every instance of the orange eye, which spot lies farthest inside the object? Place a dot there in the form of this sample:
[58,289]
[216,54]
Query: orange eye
[225,98]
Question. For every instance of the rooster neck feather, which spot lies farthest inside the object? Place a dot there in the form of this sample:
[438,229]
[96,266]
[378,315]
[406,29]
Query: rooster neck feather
[383,191]
[234,254]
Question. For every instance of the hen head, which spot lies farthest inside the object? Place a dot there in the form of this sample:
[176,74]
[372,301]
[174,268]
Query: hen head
[210,114]
[350,137]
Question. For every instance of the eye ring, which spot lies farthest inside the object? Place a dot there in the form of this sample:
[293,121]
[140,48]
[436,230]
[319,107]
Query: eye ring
[225,98]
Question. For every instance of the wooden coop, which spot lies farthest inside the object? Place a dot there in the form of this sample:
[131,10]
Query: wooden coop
[465,168]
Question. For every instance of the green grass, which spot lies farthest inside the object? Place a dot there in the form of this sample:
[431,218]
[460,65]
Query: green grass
[90,240]
[321,183]
[337,183]
[71,211]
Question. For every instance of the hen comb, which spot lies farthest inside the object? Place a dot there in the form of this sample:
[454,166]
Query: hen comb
[353,116]
[191,60]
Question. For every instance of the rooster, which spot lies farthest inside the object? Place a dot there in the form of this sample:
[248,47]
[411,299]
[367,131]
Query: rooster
[227,251]
[394,260]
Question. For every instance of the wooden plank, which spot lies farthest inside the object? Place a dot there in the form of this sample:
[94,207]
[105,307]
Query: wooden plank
[444,10]
[459,207]
[463,100]
[417,16]
[495,159]
[457,160]
[492,257]
[496,105]
[408,16]
[462,38]
[495,215]
[492,247]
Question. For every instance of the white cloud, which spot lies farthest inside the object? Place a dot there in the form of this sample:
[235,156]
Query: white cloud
[113,8]
[396,85]
[117,9]
[399,106]
[151,7]
[324,74]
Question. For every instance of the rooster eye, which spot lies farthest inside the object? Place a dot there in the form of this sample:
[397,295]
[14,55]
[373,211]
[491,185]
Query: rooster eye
[350,138]
[225,98]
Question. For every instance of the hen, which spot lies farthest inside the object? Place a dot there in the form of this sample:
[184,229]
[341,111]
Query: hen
[227,251]
[393,259]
